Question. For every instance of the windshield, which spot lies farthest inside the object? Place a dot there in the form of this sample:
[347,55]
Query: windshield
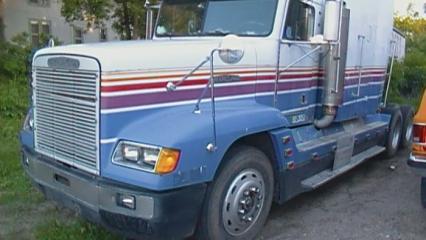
[216,17]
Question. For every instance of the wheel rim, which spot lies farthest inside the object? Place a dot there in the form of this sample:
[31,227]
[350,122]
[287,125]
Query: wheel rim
[409,133]
[243,202]
[396,136]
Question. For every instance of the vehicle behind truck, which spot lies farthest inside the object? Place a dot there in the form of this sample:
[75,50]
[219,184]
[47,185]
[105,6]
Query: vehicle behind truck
[232,105]
[417,159]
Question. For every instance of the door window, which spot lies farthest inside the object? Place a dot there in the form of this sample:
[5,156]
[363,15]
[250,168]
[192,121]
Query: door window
[300,22]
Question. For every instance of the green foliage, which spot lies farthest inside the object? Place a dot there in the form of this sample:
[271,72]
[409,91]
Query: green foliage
[128,15]
[93,12]
[409,76]
[129,18]
[13,57]
[411,26]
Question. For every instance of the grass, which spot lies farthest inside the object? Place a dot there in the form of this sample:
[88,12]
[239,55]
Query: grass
[24,213]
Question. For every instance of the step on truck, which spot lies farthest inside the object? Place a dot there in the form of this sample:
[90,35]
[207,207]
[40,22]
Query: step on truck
[232,105]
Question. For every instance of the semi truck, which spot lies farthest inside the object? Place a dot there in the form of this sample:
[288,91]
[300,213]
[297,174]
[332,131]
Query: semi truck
[231,106]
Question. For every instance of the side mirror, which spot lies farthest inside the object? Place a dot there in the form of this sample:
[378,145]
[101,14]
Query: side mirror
[231,50]
[333,10]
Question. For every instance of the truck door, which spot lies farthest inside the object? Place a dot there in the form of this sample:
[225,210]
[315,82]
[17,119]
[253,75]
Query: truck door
[297,88]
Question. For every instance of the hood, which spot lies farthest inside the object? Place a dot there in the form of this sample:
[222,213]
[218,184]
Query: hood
[146,54]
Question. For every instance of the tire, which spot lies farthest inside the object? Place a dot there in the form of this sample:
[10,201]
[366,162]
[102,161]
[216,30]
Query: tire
[423,192]
[407,126]
[246,175]
[395,130]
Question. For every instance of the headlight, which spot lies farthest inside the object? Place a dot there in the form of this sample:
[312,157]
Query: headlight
[146,157]
[28,122]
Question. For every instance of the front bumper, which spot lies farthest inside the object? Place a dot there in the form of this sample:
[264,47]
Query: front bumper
[157,215]
[418,165]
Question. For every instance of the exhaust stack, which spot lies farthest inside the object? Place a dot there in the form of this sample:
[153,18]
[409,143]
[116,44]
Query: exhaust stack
[336,31]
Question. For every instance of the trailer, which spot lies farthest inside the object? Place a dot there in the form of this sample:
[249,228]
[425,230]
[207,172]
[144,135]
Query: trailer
[232,105]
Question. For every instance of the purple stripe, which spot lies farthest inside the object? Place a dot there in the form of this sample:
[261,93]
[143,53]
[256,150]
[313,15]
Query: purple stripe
[167,97]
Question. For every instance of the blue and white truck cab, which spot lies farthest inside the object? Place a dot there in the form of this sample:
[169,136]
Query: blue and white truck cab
[232,105]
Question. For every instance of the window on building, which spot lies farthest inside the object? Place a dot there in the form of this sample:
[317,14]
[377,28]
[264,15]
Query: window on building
[41,3]
[78,35]
[300,22]
[40,32]
[103,35]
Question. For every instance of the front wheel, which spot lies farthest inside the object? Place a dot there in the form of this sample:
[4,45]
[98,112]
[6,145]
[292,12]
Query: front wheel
[239,199]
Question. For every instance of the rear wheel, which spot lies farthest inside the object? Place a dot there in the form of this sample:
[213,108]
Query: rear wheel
[395,131]
[407,126]
[239,200]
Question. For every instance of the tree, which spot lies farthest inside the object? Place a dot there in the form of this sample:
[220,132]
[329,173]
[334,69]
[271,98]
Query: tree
[409,78]
[412,27]
[129,18]
[128,15]
[93,12]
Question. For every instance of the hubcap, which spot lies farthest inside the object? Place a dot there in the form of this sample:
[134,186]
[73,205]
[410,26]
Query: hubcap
[395,137]
[243,202]
[409,133]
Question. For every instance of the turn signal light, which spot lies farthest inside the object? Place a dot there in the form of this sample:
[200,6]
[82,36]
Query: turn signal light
[419,132]
[167,161]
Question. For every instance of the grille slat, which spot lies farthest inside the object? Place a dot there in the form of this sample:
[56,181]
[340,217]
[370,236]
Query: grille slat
[57,112]
[83,153]
[70,100]
[76,88]
[67,104]
[65,116]
[62,122]
[65,92]
[69,134]
[83,128]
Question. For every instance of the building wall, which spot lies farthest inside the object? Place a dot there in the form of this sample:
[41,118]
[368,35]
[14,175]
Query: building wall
[18,14]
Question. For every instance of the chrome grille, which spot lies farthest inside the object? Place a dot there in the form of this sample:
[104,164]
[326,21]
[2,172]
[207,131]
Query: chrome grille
[66,110]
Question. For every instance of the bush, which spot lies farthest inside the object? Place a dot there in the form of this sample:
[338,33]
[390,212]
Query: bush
[409,76]
[13,77]
[14,57]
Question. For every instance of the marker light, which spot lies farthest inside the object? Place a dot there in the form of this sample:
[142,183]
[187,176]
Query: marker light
[168,160]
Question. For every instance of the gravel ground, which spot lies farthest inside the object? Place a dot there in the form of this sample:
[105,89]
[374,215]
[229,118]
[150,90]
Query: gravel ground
[369,202]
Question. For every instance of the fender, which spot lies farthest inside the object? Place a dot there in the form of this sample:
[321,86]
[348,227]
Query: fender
[180,128]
